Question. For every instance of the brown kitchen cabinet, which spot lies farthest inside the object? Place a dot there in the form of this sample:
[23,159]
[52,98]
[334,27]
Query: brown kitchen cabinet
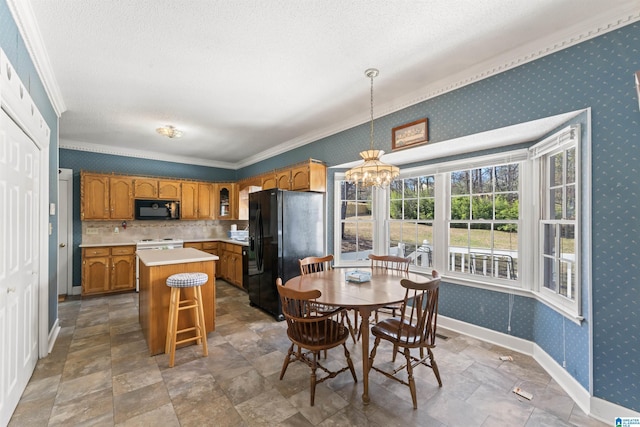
[145,188]
[210,247]
[227,200]
[283,179]
[269,181]
[150,188]
[310,176]
[106,197]
[107,269]
[169,190]
[231,263]
[197,200]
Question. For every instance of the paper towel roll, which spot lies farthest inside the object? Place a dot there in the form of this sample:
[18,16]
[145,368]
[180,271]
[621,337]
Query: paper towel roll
[234,227]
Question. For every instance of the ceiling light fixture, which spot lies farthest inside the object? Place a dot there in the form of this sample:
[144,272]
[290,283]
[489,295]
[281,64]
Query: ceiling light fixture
[169,131]
[373,172]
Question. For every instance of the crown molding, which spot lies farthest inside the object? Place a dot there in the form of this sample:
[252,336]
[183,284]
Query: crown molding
[141,154]
[26,22]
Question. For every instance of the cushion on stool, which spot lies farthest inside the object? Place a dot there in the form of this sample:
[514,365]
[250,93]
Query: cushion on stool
[187,280]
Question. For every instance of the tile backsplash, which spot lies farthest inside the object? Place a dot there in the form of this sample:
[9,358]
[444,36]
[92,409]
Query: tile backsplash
[97,232]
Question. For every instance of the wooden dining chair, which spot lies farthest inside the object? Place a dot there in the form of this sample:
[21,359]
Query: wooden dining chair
[314,264]
[312,331]
[414,329]
[389,262]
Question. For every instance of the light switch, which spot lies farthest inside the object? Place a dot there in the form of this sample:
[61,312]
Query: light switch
[52,208]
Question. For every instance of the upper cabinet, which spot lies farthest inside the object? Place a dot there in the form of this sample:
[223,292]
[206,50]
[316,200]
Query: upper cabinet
[169,190]
[310,175]
[227,200]
[197,200]
[106,197]
[149,188]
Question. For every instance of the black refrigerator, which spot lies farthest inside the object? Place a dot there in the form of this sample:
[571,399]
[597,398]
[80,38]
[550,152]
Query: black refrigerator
[284,226]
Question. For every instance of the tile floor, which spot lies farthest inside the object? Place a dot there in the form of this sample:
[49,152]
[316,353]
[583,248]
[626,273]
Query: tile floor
[99,373]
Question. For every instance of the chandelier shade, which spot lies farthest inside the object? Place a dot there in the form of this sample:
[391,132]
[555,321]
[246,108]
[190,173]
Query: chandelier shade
[169,131]
[373,172]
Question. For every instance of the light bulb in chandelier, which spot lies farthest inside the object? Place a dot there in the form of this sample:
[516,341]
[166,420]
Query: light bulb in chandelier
[169,131]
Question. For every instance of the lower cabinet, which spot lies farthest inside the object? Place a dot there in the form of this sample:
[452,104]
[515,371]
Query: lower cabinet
[108,269]
[229,265]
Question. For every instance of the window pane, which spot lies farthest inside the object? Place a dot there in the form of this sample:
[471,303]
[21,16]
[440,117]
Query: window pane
[482,207]
[411,209]
[567,242]
[507,206]
[571,166]
[460,207]
[427,209]
[365,193]
[549,240]
[395,189]
[556,171]
[549,266]
[460,182]
[411,188]
[347,190]
[567,280]
[424,252]
[507,178]
[395,235]
[556,200]
[395,209]
[481,180]
[505,246]
[427,186]
[571,202]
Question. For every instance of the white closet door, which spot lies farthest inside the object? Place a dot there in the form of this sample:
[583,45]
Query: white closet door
[19,260]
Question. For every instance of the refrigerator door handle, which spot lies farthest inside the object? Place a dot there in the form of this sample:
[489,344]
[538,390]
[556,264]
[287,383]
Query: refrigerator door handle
[259,237]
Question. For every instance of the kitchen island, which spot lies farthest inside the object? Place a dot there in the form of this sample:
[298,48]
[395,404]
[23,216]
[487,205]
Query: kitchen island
[155,267]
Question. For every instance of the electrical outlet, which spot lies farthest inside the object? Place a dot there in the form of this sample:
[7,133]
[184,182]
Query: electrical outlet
[116,230]
[91,230]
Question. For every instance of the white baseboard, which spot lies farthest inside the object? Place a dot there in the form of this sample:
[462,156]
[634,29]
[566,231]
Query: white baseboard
[53,335]
[600,409]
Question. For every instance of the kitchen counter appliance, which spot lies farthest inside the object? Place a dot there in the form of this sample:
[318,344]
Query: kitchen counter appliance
[284,226]
[154,244]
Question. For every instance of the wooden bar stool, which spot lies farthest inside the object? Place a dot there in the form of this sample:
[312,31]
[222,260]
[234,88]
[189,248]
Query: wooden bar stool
[177,282]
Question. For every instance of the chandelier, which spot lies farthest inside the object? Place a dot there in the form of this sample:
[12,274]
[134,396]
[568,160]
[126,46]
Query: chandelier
[169,131]
[372,172]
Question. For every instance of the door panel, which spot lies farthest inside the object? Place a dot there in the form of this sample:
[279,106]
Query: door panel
[19,237]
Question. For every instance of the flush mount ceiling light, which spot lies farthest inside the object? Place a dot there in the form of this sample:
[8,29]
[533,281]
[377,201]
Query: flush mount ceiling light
[169,131]
[372,172]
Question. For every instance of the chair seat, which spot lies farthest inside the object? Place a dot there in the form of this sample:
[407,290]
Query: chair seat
[389,329]
[320,335]
[187,280]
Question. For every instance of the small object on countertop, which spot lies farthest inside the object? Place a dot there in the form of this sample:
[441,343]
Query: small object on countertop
[506,358]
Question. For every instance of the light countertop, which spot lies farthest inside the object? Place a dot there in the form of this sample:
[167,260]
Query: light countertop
[133,243]
[174,256]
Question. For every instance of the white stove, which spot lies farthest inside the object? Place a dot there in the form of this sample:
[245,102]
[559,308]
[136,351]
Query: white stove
[154,244]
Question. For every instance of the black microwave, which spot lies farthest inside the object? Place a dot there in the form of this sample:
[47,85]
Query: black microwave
[157,209]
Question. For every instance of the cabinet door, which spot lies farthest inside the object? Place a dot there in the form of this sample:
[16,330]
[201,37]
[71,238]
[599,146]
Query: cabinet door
[94,195]
[145,188]
[169,190]
[237,265]
[95,275]
[121,196]
[284,180]
[226,200]
[194,245]
[206,200]
[189,201]
[122,273]
[269,182]
[300,178]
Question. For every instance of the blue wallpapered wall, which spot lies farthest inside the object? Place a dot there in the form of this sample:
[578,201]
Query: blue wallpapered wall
[597,73]
[14,47]
[106,163]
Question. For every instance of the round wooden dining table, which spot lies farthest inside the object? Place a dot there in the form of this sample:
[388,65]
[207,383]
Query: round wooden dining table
[382,289]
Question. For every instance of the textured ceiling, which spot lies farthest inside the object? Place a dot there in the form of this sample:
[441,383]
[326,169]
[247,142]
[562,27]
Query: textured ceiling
[246,79]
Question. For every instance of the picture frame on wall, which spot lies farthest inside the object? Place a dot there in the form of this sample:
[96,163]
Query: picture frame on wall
[410,134]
